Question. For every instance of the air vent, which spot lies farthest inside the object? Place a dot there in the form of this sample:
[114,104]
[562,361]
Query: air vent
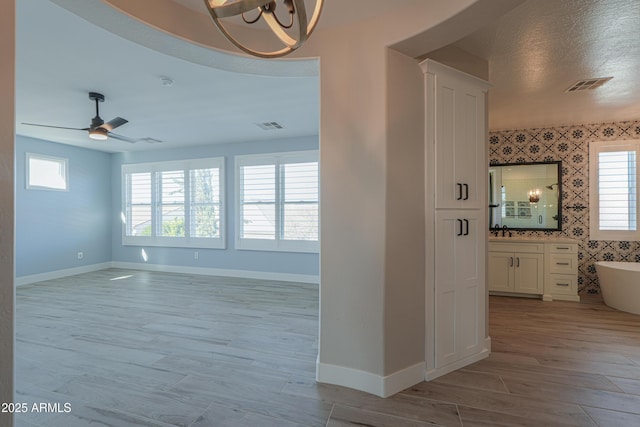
[269,125]
[588,84]
[151,140]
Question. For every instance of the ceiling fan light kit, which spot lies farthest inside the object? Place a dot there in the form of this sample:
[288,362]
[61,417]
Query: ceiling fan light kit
[98,134]
[300,27]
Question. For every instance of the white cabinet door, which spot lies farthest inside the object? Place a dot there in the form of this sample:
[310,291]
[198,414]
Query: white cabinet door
[529,271]
[459,143]
[459,285]
[501,272]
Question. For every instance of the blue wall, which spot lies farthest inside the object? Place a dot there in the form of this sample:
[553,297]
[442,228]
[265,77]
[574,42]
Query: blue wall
[53,226]
[229,258]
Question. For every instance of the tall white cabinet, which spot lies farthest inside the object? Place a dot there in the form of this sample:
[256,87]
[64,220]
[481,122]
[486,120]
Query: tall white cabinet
[456,218]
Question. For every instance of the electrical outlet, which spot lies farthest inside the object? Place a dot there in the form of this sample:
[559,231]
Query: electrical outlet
[195,255]
[80,255]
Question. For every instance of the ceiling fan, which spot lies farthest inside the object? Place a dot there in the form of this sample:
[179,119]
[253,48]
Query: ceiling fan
[99,130]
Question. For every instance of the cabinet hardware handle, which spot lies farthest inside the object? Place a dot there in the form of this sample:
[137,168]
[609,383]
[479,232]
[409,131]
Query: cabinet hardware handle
[460,229]
[539,219]
[562,284]
[466,191]
[562,247]
[466,224]
[517,261]
[511,262]
[459,191]
[562,263]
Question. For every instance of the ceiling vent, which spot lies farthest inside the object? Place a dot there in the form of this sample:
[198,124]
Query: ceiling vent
[588,84]
[269,125]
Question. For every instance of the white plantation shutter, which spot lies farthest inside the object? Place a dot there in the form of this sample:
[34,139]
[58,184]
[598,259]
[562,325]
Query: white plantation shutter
[177,204]
[139,204]
[617,190]
[258,202]
[278,202]
[614,190]
[300,201]
[205,203]
[171,204]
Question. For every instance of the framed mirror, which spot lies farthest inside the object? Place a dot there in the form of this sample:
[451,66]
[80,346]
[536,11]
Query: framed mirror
[526,196]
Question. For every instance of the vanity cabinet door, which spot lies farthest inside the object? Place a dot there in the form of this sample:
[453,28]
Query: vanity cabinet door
[529,273]
[501,272]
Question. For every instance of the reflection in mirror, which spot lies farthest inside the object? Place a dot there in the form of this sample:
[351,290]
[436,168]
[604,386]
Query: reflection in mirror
[526,196]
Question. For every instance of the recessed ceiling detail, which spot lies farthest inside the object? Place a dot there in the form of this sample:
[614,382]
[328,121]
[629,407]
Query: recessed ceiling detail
[269,125]
[588,84]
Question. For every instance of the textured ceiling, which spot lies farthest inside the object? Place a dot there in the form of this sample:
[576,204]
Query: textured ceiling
[539,49]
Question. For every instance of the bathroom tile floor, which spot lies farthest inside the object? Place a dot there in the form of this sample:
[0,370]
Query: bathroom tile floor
[129,348]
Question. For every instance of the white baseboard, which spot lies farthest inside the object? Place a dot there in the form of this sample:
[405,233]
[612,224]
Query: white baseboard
[204,271]
[244,274]
[434,373]
[383,386]
[25,280]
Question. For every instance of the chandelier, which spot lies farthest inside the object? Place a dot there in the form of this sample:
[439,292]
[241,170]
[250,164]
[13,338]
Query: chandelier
[288,23]
[534,196]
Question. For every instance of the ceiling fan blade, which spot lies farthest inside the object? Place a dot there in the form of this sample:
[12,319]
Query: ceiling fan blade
[114,123]
[55,127]
[122,138]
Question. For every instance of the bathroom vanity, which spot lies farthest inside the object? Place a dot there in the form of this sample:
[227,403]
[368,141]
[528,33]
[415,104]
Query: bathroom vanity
[534,268]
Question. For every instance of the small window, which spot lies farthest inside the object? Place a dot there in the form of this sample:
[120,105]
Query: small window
[47,173]
[613,194]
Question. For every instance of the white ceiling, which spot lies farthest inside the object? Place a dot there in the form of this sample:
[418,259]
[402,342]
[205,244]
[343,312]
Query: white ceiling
[535,52]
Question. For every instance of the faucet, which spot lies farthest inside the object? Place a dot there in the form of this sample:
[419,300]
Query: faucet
[505,229]
[496,230]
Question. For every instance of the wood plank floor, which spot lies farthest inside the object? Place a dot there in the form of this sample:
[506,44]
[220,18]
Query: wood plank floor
[131,348]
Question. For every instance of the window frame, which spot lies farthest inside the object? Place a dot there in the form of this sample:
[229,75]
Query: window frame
[64,162]
[597,147]
[278,244]
[186,241]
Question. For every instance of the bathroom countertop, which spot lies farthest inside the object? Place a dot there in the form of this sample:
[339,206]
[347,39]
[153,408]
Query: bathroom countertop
[532,240]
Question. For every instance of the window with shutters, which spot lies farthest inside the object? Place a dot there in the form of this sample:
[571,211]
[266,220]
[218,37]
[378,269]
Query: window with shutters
[174,204]
[613,190]
[278,202]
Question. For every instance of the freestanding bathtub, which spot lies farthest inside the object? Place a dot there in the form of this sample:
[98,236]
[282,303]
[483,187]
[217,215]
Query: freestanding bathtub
[620,284]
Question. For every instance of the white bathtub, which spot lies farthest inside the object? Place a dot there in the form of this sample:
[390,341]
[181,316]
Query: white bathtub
[620,284]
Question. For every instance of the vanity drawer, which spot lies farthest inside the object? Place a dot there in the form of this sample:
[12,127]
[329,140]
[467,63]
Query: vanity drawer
[531,248]
[563,264]
[563,284]
[560,248]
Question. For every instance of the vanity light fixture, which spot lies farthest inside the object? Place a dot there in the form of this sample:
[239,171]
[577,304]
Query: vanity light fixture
[291,32]
[534,196]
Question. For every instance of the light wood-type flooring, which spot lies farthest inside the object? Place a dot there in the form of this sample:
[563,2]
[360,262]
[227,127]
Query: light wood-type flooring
[132,348]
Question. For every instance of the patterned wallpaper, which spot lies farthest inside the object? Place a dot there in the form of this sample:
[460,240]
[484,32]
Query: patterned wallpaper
[571,145]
